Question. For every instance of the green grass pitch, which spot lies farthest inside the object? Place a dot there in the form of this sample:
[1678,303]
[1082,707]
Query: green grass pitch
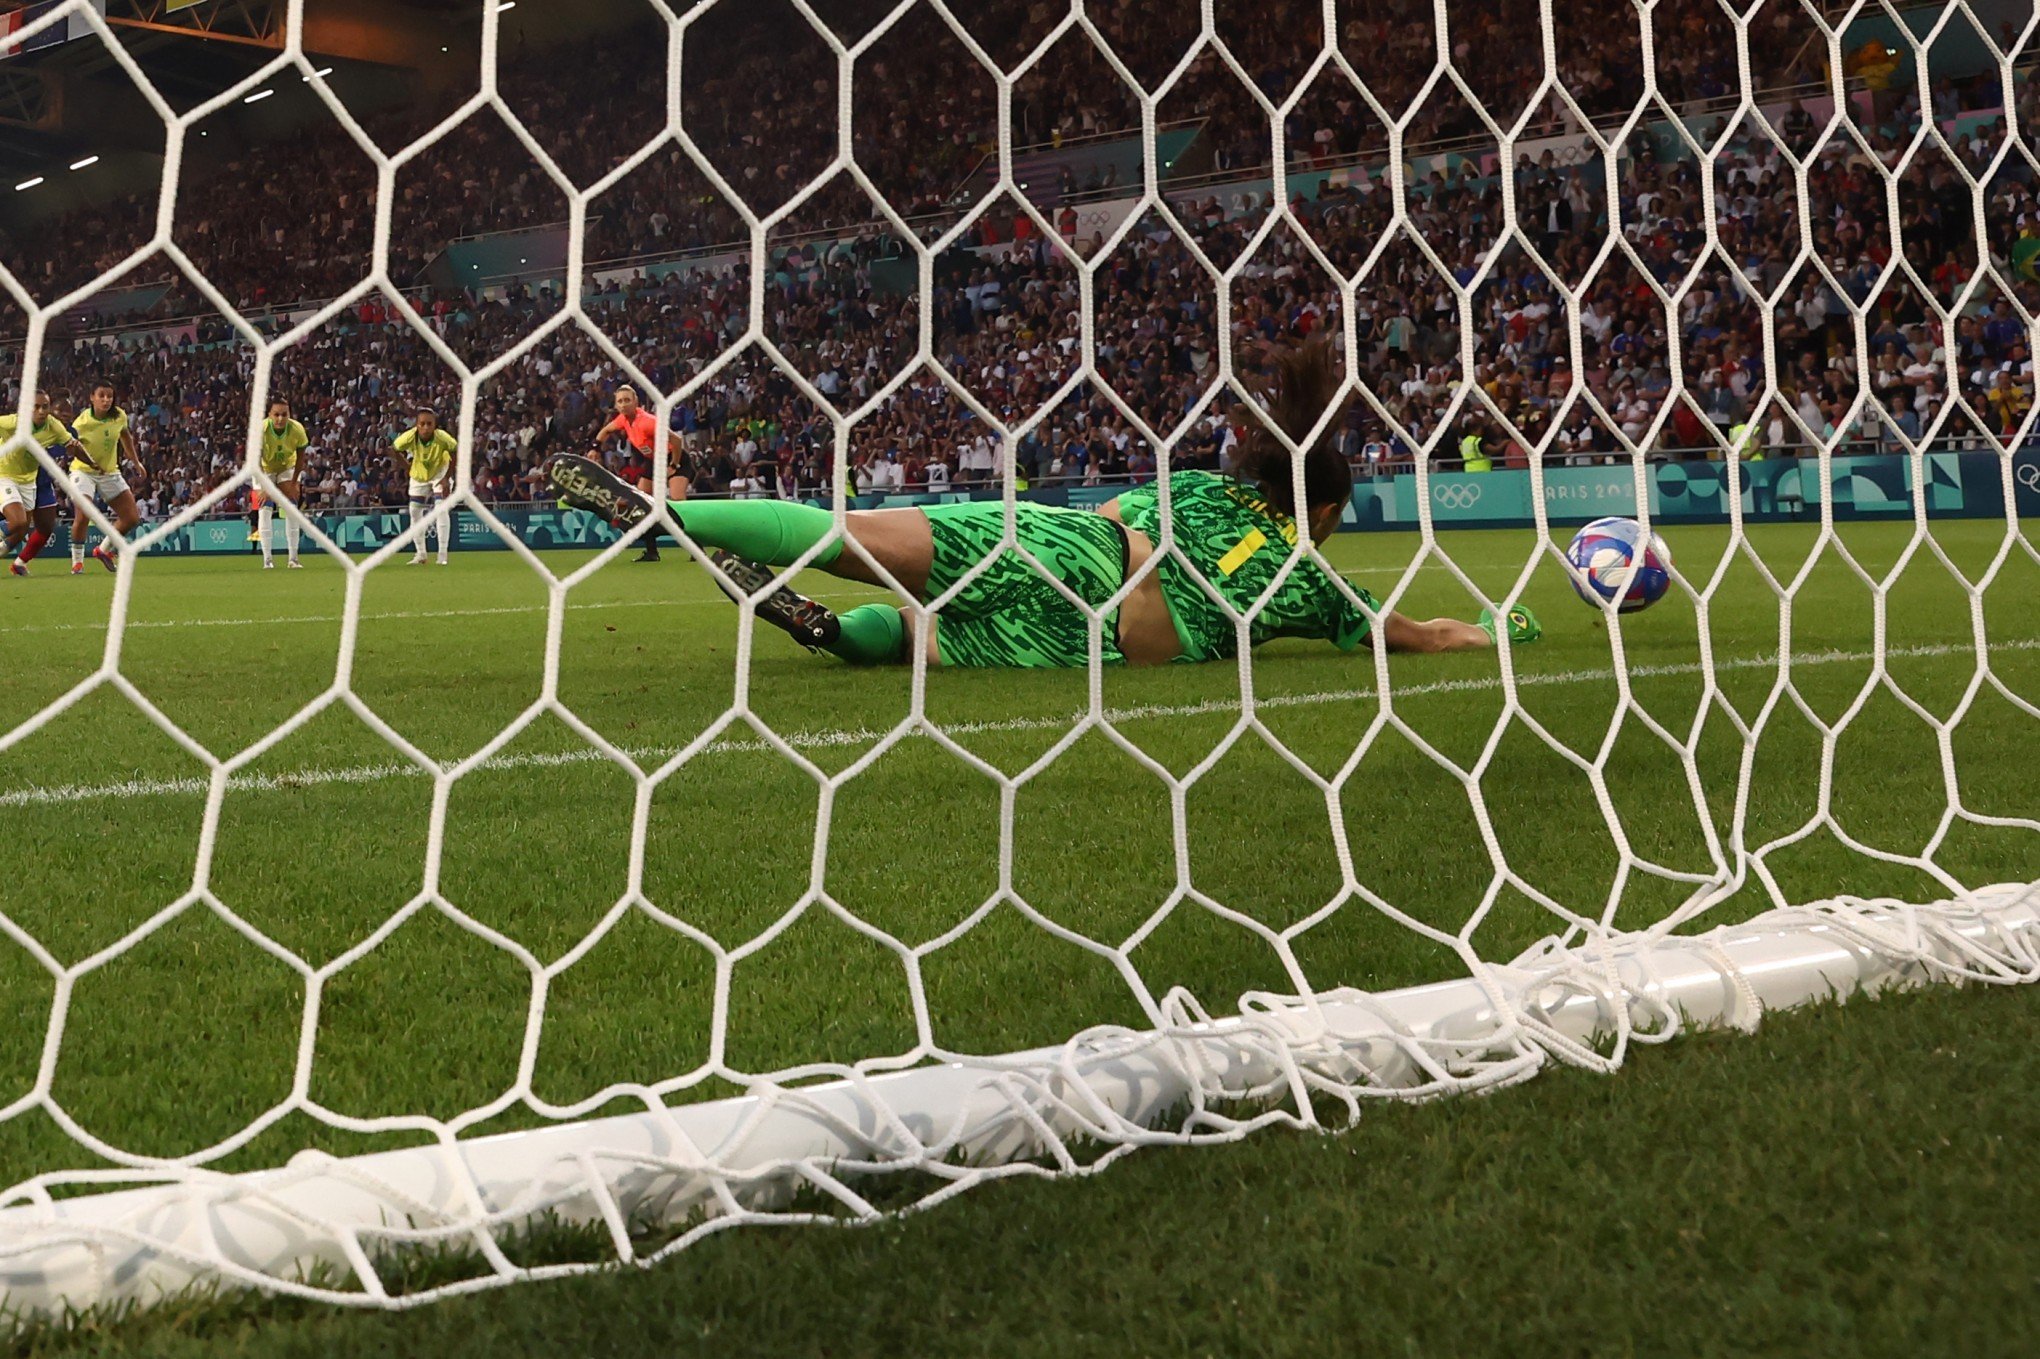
[192,1033]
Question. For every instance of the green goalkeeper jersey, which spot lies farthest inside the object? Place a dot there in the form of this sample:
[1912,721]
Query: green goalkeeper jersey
[1238,541]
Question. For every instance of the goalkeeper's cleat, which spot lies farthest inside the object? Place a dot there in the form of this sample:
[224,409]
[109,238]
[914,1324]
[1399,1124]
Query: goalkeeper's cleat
[811,624]
[77,568]
[1523,625]
[254,535]
[104,558]
[584,484]
[650,554]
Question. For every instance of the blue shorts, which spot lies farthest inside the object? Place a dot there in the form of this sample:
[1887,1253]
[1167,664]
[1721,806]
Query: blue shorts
[46,497]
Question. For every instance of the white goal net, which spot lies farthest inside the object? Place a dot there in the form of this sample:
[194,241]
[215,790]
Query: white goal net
[1759,277]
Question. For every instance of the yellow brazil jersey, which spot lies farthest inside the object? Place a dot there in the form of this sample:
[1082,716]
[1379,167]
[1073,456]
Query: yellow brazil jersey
[280,447]
[101,439]
[17,464]
[429,457]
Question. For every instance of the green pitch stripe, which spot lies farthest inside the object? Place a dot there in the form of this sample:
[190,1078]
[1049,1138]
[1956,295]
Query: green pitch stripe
[818,740]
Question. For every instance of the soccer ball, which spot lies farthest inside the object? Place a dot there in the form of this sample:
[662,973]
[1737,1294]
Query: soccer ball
[1614,555]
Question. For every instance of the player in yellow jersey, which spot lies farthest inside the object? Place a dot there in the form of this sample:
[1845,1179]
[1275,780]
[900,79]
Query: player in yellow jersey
[283,439]
[28,494]
[429,452]
[103,430]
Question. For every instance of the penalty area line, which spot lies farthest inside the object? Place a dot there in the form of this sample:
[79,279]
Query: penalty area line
[836,737]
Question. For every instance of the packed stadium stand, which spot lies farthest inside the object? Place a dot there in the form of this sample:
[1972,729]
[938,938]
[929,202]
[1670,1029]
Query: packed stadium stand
[670,254]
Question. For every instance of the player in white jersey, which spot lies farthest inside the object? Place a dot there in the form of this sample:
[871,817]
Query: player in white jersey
[102,429]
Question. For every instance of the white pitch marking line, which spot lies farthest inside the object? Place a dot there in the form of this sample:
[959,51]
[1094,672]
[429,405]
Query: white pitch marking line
[369,617]
[572,606]
[819,740]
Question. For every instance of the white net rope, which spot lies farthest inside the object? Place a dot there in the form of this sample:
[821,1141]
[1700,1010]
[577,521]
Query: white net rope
[1292,1060]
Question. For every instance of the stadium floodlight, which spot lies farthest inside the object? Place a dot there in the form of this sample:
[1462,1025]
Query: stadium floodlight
[81,164]
[120,1226]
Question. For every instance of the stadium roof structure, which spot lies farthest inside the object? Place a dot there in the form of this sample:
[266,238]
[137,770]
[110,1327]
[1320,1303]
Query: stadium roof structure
[191,54]
[72,101]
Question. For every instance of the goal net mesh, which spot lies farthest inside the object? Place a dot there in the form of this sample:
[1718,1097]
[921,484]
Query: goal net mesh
[1467,199]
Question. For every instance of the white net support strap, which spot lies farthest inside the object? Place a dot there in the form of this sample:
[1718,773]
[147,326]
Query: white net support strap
[713,1165]
[707,1167]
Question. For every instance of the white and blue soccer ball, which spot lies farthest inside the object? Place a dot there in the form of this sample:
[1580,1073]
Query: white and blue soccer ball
[1614,556]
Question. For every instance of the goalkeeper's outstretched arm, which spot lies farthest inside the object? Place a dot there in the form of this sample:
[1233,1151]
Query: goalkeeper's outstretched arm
[1403,634]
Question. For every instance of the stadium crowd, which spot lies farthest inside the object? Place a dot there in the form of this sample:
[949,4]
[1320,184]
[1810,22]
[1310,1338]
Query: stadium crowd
[762,107]
[1006,319]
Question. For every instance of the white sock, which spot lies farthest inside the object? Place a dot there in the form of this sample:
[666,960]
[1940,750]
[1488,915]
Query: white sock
[263,518]
[291,533]
[445,536]
[77,549]
[417,519]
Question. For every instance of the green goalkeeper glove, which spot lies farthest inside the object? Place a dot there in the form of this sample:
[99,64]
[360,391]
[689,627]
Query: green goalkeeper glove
[1523,625]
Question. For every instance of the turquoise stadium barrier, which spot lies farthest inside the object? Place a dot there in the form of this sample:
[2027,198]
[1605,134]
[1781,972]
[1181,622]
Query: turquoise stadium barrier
[1958,485]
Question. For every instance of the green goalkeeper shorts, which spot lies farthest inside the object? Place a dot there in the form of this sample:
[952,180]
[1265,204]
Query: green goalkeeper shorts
[1008,615]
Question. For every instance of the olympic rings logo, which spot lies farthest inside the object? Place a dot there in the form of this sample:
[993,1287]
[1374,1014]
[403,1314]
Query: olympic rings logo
[2029,476]
[1457,495]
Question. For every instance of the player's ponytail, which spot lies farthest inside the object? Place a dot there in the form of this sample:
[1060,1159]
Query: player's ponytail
[1304,383]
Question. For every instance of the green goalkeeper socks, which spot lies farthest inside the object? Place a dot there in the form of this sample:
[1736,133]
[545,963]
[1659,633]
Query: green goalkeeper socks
[775,533]
[769,532]
[873,634]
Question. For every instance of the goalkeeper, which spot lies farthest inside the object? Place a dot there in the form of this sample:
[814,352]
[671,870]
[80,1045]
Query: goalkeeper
[1237,531]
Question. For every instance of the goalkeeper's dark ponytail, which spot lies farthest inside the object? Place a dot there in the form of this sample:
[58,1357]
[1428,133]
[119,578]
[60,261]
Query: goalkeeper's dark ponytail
[1304,383]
